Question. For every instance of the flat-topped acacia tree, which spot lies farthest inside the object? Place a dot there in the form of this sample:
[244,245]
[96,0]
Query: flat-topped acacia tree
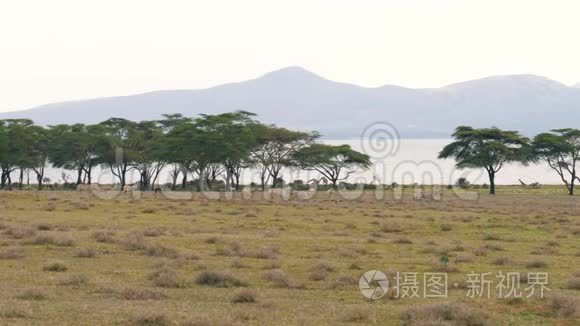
[560,148]
[335,163]
[488,148]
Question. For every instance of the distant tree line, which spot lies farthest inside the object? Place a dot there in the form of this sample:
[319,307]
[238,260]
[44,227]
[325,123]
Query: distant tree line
[492,148]
[206,148]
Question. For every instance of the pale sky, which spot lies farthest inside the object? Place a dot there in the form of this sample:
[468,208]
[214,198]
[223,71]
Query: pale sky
[61,50]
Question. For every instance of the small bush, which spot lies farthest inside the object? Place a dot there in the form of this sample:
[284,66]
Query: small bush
[12,253]
[244,296]
[51,239]
[160,251]
[150,318]
[32,294]
[104,236]
[152,232]
[446,227]
[280,279]
[134,241]
[11,311]
[354,314]
[218,279]
[443,314]
[165,276]
[564,306]
[19,232]
[74,280]
[86,253]
[491,237]
[573,283]
[502,261]
[403,240]
[55,267]
[536,264]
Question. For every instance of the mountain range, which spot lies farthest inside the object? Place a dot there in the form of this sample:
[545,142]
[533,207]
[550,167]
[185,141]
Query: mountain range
[296,98]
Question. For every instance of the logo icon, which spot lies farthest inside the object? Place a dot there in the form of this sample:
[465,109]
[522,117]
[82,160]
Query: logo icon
[373,284]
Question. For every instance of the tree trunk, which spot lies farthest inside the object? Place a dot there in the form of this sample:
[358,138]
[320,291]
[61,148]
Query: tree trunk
[571,189]
[80,176]
[492,183]
[184,181]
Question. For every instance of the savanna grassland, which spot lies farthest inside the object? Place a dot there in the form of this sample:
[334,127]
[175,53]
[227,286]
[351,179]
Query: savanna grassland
[69,258]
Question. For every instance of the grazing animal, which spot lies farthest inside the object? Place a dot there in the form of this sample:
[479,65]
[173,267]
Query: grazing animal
[420,195]
[157,189]
[129,188]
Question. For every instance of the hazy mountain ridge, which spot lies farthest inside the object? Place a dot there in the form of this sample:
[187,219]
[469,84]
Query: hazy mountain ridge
[296,98]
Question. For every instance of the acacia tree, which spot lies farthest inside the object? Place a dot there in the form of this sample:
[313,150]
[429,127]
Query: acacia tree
[488,148]
[77,147]
[15,150]
[275,148]
[119,153]
[40,152]
[171,145]
[335,163]
[561,150]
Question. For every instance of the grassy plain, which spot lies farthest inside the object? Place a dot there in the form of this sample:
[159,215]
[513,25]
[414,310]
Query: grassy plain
[69,258]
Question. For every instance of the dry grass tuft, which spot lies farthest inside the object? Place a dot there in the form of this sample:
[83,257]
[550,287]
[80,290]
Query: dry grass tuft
[32,294]
[537,264]
[165,276]
[74,280]
[354,314]
[219,279]
[86,253]
[280,279]
[51,239]
[443,314]
[245,296]
[56,266]
[573,283]
[149,318]
[565,306]
[104,236]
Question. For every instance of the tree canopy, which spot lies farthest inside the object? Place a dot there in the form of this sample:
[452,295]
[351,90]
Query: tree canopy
[488,148]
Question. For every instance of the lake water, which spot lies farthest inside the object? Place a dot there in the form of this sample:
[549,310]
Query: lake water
[405,161]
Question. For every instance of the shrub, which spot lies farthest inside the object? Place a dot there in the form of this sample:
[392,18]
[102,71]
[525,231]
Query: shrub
[51,239]
[104,236]
[149,318]
[502,261]
[218,279]
[564,305]
[443,314]
[11,311]
[573,283]
[152,232]
[165,276]
[134,241]
[74,280]
[55,267]
[12,253]
[403,240]
[32,294]
[446,227]
[280,279]
[536,264]
[160,251]
[86,253]
[354,314]
[244,296]
[19,232]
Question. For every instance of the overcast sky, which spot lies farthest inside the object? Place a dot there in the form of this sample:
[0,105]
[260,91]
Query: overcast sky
[61,50]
